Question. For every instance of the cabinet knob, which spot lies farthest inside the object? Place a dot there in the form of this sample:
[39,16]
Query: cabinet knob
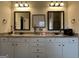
[37,49]
[63,45]
[59,45]
[37,44]
[16,44]
[3,39]
[50,40]
[37,56]
[37,40]
[12,44]
[73,40]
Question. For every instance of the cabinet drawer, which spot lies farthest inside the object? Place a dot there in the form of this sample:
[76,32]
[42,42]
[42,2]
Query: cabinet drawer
[37,40]
[11,40]
[37,49]
[37,44]
[55,40]
[4,39]
[38,55]
[70,40]
[20,40]
[54,44]
[20,44]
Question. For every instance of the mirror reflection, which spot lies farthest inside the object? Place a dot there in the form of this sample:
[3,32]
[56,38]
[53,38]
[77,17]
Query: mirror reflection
[38,20]
[55,20]
[21,20]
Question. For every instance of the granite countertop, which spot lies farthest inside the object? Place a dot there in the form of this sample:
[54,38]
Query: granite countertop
[36,35]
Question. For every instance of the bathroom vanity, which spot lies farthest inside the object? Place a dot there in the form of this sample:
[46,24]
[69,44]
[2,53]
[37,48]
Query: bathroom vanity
[39,46]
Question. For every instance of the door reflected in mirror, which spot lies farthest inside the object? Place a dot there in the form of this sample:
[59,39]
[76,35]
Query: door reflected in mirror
[22,20]
[55,20]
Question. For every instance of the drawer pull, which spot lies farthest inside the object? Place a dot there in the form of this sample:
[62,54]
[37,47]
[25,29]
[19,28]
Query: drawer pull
[37,56]
[63,45]
[16,44]
[59,45]
[37,40]
[50,40]
[3,39]
[37,44]
[12,44]
[73,40]
[37,49]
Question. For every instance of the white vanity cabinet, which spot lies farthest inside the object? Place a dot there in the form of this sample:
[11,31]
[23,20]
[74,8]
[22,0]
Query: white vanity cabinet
[64,47]
[11,47]
[37,48]
[70,47]
[21,49]
[14,47]
[54,48]
[4,46]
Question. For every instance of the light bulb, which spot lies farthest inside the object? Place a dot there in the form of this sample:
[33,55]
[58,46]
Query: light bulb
[61,4]
[52,4]
[21,5]
[16,5]
[56,4]
[26,5]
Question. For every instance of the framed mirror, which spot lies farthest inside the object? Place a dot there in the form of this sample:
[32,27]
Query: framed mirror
[22,20]
[38,20]
[55,20]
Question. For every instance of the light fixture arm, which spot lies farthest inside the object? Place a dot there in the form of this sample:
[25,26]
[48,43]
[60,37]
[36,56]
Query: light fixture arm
[56,4]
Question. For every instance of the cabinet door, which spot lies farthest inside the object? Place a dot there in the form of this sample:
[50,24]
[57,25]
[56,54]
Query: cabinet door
[11,47]
[4,46]
[38,55]
[54,48]
[70,47]
[21,48]
[0,46]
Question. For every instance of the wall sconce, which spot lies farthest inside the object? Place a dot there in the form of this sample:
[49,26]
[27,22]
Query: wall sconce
[21,4]
[56,4]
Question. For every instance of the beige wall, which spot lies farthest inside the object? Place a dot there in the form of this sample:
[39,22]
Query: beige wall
[5,13]
[73,13]
[42,8]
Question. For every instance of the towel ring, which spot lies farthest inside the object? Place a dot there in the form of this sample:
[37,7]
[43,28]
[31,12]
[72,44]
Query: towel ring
[4,21]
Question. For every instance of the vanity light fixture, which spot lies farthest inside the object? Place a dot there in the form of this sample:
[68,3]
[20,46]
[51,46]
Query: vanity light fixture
[21,4]
[56,4]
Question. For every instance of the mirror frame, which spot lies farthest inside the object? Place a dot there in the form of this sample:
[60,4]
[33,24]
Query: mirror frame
[15,20]
[48,21]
